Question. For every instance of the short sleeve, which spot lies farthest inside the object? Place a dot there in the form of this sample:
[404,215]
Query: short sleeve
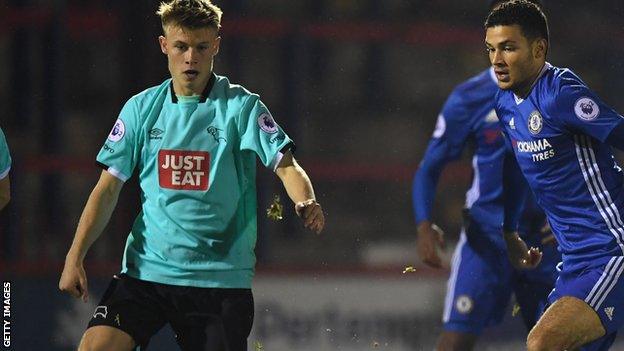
[581,110]
[261,134]
[5,157]
[120,153]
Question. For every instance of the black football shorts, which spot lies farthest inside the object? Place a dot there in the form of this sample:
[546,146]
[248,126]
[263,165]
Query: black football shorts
[202,318]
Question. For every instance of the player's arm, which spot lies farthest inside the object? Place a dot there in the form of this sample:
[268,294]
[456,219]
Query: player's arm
[5,191]
[580,109]
[299,189]
[429,235]
[95,216]
[449,137]
[616,137]
[515,191]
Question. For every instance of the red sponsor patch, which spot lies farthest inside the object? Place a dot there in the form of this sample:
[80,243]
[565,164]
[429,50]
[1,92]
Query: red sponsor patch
[491,135]
[185,170]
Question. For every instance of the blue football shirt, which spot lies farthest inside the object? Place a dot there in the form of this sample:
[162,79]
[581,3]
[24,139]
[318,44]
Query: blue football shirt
[558,135]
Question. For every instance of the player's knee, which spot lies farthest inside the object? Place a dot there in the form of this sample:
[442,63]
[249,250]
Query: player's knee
[535,344]
[95,339]
[96,345]
[91,343]
[542,340]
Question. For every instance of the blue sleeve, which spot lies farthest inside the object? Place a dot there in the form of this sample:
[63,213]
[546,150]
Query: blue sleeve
[426,180]
[448,140]
[515,190]
[582,111]
[616,137]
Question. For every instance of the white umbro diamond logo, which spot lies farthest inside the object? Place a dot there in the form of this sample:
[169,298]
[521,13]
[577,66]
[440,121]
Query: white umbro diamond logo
[512,123]
[609,312]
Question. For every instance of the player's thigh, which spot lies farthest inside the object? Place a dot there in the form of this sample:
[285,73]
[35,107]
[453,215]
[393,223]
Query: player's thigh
[104,338]
[237,311]
[223,317]
[131,306]
[456,341]
[567,324]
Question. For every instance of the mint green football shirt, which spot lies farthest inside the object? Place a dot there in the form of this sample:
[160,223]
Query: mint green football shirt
[196,161]
[5,157]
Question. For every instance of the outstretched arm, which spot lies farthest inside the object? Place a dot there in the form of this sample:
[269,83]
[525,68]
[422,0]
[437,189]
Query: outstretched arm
[95,216]
[299,189]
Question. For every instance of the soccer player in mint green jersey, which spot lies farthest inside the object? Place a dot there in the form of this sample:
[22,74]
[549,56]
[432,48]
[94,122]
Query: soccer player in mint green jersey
[193,141]
[5,167]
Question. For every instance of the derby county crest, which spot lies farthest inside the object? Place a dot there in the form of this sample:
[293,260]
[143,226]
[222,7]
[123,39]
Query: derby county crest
[535,122]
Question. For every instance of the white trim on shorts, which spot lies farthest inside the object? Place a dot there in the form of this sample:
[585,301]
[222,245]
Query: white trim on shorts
[450,287]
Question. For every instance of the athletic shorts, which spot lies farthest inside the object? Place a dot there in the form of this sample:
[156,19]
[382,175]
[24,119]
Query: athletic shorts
[482,281]
[601,285]
[202,318]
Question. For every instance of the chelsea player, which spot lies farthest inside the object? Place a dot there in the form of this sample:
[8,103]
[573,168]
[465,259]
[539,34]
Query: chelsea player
[482,279]
[561,134]
[189,258]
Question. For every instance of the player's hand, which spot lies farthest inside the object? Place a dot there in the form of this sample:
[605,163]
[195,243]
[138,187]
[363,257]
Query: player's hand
[311,213]
[74,280]
[520,256]
[549,237]
[430,240]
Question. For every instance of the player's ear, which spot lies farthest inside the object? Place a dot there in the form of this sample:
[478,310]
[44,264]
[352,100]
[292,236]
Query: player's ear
[540,47]
[163,44]
[217,44]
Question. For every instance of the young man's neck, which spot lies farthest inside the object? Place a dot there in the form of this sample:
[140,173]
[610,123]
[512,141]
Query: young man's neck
[525,89]
[198,89]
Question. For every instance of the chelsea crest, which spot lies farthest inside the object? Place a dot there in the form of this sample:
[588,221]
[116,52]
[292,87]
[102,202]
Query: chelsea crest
[535,122]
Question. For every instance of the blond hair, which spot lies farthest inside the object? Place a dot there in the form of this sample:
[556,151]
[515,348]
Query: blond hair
[191,14]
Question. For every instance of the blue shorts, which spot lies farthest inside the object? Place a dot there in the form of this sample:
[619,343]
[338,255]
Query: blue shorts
[482,280]
[601,285]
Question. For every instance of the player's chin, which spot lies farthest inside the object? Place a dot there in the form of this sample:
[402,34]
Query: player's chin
[505,84]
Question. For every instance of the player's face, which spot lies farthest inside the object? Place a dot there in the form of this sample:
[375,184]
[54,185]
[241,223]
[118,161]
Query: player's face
[190,53]
[516,60]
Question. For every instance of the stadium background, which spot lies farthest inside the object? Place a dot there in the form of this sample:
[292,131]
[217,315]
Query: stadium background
[358,85]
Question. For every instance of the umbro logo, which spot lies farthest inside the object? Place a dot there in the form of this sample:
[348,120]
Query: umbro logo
[155,133]
[512,123]
[609,312]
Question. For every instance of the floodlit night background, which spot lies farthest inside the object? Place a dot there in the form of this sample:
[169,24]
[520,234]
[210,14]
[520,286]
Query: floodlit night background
[357,84]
